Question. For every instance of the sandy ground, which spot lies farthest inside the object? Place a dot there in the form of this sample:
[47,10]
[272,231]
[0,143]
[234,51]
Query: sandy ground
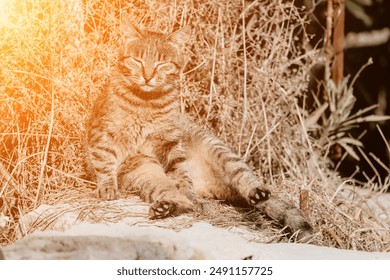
[59,234]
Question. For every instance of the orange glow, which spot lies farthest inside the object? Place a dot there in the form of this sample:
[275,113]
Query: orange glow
[6,9]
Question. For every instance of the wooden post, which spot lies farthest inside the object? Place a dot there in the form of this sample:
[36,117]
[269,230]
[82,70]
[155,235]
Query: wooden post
[335,38]
[338,40]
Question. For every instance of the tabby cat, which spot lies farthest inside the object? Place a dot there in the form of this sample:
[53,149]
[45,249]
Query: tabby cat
[138,140]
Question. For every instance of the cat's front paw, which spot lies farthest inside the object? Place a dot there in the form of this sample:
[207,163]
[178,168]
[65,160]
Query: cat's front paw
[161,209]
[258,195]
[108,193]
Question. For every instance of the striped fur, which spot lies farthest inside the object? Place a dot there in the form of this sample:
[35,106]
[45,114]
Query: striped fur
[138,140]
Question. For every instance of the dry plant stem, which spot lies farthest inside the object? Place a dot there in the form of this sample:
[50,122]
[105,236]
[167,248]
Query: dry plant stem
[70,175]
[269,158]
[212,86]
[45,154]
[265,137]
[328,42]
[368,63]
[384,138]
[9,183]
[307,138]
[335,237]
[244,85]
[328,32]
[380,162]
[377,175]
[51,124]
[341,187]
[304,202]
[250,143]
[6,179]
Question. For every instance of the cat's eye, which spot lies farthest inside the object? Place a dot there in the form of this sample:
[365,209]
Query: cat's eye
[136,60]
[168,65]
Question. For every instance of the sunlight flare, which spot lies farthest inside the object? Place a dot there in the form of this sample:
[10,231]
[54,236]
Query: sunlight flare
[6,10]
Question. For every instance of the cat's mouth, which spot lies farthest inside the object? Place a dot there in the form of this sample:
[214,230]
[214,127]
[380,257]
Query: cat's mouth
[147,88]
[148,91]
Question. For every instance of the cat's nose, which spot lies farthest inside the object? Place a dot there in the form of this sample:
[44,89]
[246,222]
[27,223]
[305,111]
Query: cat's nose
[149,80]
[148,74]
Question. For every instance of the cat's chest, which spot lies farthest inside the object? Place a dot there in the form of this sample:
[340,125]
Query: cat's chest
[133,130]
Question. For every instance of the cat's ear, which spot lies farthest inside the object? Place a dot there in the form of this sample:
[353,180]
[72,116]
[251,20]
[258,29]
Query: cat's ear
[129,31]
[180,37]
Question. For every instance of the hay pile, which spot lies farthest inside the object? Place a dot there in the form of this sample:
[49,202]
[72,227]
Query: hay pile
[245,78]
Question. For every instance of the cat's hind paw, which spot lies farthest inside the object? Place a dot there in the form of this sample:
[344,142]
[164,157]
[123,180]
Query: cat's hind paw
[161,209]
[258,195]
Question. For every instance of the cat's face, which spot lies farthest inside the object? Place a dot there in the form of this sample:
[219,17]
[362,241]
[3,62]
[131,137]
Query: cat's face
[151,62]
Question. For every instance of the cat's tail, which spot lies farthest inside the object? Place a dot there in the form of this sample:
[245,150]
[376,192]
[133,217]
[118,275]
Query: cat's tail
[287,215]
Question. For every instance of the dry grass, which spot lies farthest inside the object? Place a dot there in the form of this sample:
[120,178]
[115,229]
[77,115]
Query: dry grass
[245,78]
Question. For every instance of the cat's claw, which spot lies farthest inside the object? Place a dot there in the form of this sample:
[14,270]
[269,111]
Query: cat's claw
[161,209]
[258,195]
[108,193]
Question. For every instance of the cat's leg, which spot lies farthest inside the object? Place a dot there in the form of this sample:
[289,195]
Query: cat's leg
[103,162]
[238,180]
[145,175]
[174,159]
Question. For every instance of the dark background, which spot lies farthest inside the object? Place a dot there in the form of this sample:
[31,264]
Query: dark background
[374,80]
[373,83]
